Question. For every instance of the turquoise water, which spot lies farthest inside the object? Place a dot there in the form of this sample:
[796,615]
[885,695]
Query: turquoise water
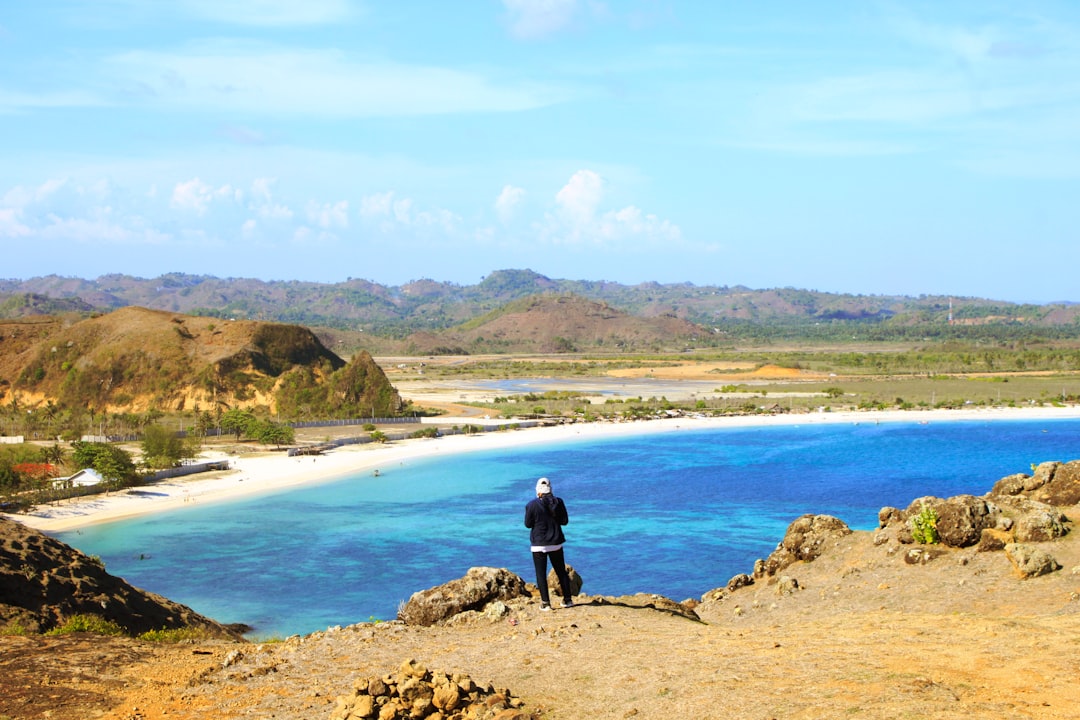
[677,513]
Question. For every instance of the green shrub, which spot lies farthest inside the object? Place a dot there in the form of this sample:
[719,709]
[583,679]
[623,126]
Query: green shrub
[174,635]
[924,526]
[87,623]
[428,432]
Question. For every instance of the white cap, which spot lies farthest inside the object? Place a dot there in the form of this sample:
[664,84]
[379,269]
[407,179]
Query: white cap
[543,486]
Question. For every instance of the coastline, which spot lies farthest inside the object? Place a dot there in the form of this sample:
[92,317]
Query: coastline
[266,473]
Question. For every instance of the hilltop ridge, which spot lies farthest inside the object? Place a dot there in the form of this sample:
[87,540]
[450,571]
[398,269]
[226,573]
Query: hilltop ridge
[425,305]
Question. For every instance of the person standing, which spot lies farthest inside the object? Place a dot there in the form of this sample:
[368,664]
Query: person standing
[544,516]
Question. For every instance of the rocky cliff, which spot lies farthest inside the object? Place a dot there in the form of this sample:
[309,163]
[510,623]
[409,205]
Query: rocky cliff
[44,582]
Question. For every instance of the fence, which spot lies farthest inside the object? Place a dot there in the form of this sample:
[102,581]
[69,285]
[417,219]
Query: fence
[190,469]
[364,439]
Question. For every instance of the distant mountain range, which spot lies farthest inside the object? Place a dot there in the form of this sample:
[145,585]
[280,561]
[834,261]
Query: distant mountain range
[427,314]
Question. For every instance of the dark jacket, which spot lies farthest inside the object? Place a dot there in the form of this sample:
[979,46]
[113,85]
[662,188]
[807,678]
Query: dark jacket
[545,517]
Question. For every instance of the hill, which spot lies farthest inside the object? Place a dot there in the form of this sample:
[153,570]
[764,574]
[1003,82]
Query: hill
[135,359]
[554,324]
[44,583]
[391,313]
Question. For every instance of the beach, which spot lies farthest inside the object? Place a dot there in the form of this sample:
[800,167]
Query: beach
[269,472]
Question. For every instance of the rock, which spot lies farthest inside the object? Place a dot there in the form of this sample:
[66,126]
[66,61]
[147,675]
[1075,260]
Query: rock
[715,595]
[1030,561]
[889,515]
[739,581]
[446,698]
[474,591]
[1052,483]
[787,585]
[655,602]
[1032,520]
[44,582]
[914,556]
[961,520]
[555,587]
[993,540]
[806,538]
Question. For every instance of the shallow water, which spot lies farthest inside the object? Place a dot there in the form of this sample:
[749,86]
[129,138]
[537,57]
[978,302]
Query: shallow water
[677,514]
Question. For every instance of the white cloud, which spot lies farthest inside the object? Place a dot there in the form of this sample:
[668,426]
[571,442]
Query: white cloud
[21,197]
[10,225]
[247,230]
[402,211]
[262,200]
[101,228]
[243,78]
[12,101]
[507,203]
[329,215]
[285,13]
[580,197]
[391,215]
[631,221]
[578,218]
[306,236]
[384,206]
[196,195]
[529,19]
[377,205]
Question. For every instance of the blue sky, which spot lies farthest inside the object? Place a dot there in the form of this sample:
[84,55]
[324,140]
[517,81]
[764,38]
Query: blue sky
[845,146]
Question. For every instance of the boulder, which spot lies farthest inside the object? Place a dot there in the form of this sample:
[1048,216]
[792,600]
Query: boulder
[787,585]
[1033,521]
[555,587]
[1030,561]
[993,540]
[960,519]
[479,586]
[806,538]
[889,515]
[1052,483]
[739,581]
[715,595]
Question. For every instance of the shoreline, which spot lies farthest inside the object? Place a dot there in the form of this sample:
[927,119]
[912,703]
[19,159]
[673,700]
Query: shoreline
[267,473]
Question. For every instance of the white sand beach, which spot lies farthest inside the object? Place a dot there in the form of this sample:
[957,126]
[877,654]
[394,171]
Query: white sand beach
[271,472]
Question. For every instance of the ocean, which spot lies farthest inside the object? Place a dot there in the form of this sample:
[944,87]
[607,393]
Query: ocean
[676,513]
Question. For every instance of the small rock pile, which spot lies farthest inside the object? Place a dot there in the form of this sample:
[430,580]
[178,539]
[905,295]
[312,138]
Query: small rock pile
[415,692]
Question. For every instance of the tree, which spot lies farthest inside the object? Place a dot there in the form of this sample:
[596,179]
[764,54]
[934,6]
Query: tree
[162,448]
[236,421]
[114,464]
[269,432]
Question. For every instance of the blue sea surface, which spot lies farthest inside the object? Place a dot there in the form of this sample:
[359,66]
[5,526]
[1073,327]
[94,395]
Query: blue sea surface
[676,513]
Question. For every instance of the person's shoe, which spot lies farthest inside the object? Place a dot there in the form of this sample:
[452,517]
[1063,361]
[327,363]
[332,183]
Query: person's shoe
[544,607]
[568,603]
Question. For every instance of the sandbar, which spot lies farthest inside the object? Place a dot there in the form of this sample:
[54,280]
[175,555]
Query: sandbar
[266,472]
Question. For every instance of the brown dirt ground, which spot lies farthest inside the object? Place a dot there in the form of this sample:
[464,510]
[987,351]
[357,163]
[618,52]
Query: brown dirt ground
[716,371]
[867,636]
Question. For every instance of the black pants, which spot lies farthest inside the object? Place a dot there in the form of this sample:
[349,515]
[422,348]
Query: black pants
[559,565]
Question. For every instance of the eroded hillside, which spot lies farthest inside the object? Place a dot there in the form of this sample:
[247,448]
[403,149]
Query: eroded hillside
[135,359]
